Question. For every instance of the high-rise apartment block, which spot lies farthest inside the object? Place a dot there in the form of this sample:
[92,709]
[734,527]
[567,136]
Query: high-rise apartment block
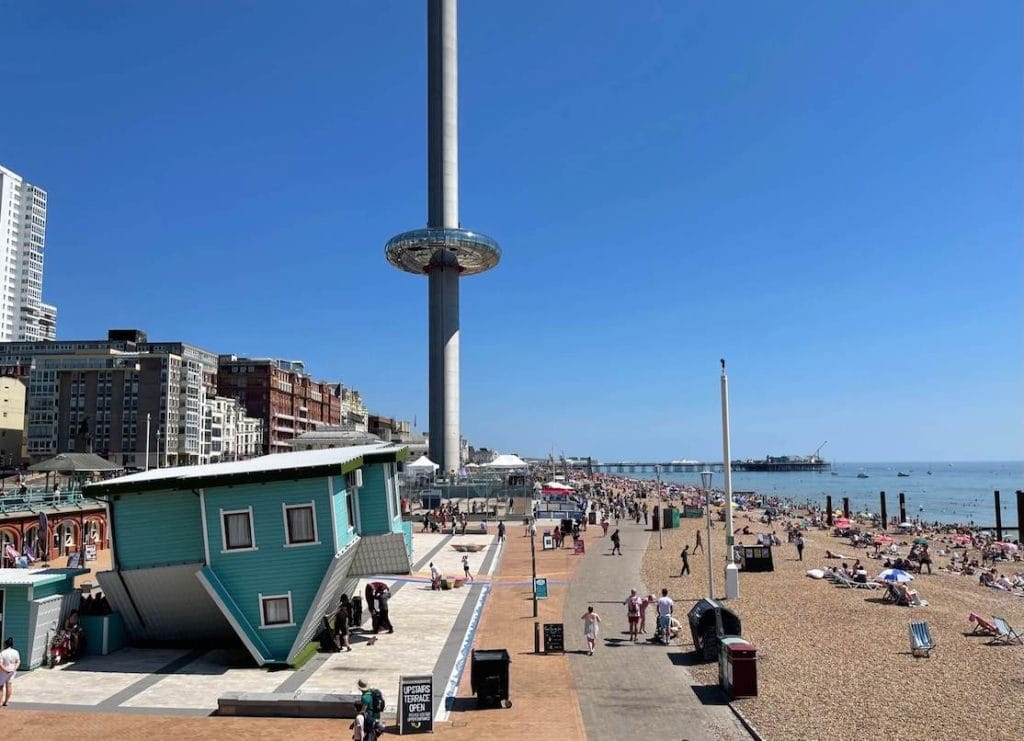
[23,315]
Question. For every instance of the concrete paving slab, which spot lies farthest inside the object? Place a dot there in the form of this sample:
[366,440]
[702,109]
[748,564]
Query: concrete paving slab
[199,684]
[422,618]
[93,679]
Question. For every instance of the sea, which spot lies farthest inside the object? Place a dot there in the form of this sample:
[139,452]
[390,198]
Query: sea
[952,492]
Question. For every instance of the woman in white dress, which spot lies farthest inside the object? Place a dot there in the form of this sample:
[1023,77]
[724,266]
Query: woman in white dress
[590,629]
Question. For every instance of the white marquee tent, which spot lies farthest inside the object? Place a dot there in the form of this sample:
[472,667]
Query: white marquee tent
[508,462]
[421,465]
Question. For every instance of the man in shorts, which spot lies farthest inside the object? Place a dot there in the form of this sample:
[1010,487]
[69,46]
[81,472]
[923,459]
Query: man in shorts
[633,608]
[10,660]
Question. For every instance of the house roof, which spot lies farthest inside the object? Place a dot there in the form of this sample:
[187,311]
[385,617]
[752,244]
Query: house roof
[276,467]
[34,577]
[75,463]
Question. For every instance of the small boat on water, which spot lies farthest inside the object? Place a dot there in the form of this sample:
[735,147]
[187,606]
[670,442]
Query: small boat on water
[902,475]
[862,475]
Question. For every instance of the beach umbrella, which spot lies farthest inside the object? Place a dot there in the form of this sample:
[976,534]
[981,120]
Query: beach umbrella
[842,522]
[921,540]
[879,539]
[898,575]
[1007,547]
[962,539]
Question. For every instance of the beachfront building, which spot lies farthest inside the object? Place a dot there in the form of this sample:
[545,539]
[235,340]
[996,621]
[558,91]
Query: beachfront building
[23,315]
[281,393]
[12,422]
[253,551]
[95,395]
[228,434]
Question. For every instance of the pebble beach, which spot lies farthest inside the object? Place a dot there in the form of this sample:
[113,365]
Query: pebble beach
[836,662]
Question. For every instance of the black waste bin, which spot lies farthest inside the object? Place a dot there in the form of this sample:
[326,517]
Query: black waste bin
[704,618]
[489,676]
[592,517]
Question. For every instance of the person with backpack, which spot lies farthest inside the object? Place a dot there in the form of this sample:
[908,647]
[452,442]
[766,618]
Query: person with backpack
[373,703]
[616,543]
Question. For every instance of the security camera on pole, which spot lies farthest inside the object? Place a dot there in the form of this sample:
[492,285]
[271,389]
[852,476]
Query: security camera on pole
[732,572]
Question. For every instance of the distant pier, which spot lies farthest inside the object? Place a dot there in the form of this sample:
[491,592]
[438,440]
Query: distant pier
[769,466]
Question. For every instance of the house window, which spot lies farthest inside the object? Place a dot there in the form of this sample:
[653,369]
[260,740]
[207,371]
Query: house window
[276,610]
[350,505]
[237,530]
[300,524]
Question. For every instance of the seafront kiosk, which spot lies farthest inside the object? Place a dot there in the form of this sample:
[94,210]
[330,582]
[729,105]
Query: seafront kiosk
[33,605]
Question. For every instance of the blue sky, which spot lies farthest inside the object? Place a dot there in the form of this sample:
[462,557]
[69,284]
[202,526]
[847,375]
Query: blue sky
[826,194]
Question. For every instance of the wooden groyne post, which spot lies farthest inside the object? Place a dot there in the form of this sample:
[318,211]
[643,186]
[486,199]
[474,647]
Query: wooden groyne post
[885,521]
[903,508]
[828,510]
[999,517]
[846,507]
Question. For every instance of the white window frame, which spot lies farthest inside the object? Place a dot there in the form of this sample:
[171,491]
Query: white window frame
[291,615]
[224,530]
[287,535]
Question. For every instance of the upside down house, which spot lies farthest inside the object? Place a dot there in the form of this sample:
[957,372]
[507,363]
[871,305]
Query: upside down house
[257,549]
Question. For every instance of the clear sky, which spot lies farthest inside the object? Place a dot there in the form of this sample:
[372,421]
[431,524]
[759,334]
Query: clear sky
[827,194]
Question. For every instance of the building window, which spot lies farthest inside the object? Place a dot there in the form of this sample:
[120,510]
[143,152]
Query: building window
[236,526]
[276,611]
[300,524]
[350,505]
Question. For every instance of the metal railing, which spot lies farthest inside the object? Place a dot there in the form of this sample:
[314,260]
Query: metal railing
[35,500]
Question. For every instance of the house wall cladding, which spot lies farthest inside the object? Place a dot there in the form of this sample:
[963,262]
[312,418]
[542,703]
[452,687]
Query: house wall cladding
[142,536]
[373,505]
[381,554]
[272,568]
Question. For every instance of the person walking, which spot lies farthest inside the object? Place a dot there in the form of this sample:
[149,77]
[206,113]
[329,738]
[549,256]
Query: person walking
[501,531]
[616,542]
[799,546]
[590,628]
[665,609]
[342,618]
[371,715]
[699,546]
[10,660]
[465,567]
[685,555]
[633,608]
[358,726]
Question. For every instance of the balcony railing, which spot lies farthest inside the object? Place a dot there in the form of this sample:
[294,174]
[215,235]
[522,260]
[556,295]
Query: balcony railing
[35,500]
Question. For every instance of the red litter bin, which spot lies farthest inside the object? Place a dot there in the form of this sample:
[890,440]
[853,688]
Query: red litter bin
[737,667]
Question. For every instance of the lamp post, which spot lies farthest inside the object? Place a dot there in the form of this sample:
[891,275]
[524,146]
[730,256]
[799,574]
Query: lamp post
[732,574]
[661,505]
[147,439]
[705,480]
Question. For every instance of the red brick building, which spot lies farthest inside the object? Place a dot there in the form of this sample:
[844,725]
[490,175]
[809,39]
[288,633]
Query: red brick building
[280,393]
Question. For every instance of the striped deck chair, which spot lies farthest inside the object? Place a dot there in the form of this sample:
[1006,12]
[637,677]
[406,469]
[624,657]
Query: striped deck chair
[1004,633]
[921,640]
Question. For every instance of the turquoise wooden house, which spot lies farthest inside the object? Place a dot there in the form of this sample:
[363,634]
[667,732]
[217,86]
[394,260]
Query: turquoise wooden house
[33,605]
[253,550]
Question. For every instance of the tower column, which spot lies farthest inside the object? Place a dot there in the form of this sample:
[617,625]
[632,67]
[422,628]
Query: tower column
[442,115]
[443,289]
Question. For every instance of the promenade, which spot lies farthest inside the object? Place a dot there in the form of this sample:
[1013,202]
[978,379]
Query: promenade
[629,688]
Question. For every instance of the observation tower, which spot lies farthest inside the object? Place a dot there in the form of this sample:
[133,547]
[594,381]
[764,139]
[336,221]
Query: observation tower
[444,251]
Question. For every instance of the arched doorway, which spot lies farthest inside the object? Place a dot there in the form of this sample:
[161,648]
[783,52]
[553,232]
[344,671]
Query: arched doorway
[94,532]
[65,537]
[31,535]
[8,537]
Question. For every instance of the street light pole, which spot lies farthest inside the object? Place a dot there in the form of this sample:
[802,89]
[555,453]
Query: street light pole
[732,575]
[147,440]
[533,560]
[661,505]
[705,479]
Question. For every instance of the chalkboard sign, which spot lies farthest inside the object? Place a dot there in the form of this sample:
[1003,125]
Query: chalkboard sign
[90,551]
[75,560]
[578,548]
[416,704]
[554,638]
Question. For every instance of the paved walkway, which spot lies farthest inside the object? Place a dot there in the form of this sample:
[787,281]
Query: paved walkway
[626,689]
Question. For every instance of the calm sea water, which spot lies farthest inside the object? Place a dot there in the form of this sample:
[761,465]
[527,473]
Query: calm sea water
[954,492]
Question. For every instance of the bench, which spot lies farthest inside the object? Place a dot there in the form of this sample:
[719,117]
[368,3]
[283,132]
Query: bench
[296,704]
